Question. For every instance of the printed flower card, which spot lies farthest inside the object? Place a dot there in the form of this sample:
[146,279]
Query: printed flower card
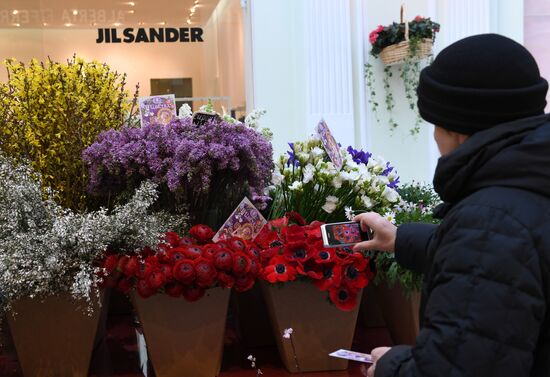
[330,144]
[157,109]
[245,222]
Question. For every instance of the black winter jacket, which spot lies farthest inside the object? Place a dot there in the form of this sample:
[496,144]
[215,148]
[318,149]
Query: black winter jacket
[486,291]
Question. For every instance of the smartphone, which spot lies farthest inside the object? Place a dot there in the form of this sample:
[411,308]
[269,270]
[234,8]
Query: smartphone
[343,234]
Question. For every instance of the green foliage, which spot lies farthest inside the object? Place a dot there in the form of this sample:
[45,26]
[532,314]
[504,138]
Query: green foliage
[419,201]
[50,112]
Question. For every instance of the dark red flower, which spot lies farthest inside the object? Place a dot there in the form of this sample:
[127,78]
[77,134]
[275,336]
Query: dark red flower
[255,268]
[295,217]
[223,244]
[124,285]
[193,292]
[296,251]
[205,272]
[226,280]
[202,233]
[144,289]
[186,241]
[156,280]
[343,297]
[176,254]
[167,270]
[132,266]
[184,271]
[313,231]
[353,271]
[236,244]
[209,250]
[269,239]
[147,267]
[174,289]
[122,263]
[223,259]
[332,276]
[279,269]
[110,263]
[192,252]
[146,252]
[243,283]
[172,239]
[241,263]
[310,268]
[253,251]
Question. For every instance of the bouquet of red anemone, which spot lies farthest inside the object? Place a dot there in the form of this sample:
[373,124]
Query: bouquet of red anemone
[184,266]
[291,249]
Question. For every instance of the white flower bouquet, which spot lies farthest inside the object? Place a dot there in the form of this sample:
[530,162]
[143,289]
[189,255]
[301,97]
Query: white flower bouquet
[306,181]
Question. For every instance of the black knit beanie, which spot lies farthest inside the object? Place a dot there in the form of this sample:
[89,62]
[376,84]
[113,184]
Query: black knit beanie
[479,82]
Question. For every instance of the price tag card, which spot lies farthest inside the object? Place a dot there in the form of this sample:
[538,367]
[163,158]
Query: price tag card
[245,222]
[330,144]
[157,109]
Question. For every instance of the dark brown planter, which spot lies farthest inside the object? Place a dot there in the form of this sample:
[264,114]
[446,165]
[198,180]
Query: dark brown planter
[53,337]
[319,327]
[400,312]
[184,338]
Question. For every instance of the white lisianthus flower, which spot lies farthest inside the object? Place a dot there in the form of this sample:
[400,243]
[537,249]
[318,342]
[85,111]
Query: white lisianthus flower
[337,181]
[185,111]
[317,152]
[308,173]
[390,216]
[277,177]
[295,186]
[367,202]
[390,195]
[330,204]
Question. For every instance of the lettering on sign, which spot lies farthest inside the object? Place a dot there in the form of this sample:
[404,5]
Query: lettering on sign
[149,35]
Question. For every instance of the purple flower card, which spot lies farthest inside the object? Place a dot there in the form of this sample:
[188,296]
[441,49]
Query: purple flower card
[245,222]
[157,109]
[330,144]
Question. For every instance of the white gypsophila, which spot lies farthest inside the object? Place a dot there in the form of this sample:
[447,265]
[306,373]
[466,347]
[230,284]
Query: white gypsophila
[185,111]
[252,119]
[45,249]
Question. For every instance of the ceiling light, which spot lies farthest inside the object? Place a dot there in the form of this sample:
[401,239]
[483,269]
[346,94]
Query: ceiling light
[188,21]
[75,12]
[15,11]
[117,24]
[68,24]
[162,23]
[131,3]
[17,25]
[94,23]
[141,23]
[132,11]
[196,1]
[44,24]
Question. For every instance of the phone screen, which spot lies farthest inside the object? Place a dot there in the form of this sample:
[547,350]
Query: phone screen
[347,233]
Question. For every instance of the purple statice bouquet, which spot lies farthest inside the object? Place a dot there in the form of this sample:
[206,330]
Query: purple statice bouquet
[206,170]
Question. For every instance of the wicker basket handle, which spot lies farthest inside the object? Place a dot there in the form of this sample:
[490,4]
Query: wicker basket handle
[403,20]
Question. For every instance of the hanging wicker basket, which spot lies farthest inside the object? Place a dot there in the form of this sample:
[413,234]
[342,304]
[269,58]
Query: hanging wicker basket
[398,53]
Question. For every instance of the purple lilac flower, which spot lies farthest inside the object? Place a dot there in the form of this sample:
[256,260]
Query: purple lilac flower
[183,157]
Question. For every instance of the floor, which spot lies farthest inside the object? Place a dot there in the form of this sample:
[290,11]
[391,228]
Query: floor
[117,353]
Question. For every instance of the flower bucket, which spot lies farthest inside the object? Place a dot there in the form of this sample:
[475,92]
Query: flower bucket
[319,327]
[184,338]
[401,313]
[53,337]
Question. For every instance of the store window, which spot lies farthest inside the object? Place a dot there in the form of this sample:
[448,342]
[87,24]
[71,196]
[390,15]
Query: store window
[191,48]
[537,35]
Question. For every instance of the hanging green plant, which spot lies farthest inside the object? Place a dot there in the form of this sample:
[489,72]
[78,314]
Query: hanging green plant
[405,47]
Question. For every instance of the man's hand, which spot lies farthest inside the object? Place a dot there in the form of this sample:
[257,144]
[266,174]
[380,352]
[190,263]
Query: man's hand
[384,232]
[376,354]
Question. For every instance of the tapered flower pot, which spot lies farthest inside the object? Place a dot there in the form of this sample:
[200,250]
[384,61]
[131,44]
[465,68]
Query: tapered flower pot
[401,313]
[319,327]
[184,338]
[53,337]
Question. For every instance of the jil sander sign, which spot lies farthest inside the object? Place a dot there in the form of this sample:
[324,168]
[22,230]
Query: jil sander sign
[149,35]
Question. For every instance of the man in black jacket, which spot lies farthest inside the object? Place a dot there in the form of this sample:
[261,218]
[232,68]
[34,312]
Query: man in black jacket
[486,289]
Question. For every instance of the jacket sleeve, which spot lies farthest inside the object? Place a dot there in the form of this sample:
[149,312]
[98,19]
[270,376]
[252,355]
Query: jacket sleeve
[485,305]
[411,244]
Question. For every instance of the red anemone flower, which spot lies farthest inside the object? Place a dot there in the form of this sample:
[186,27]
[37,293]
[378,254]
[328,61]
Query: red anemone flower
[193,292]
[236,244]
[244,283]
[225,279]
[310,268]
[174,289]
[223,259]
[241,263]
[184,271]
[294,233]
[132,266]
[279,269]
[343,297]
[332,276]
[144,289]
[202,233]
[205,272]
[296,251]
[172,239]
